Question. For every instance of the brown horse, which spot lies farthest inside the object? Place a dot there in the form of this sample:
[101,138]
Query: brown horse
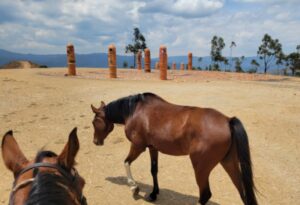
[49,179]
[206,135]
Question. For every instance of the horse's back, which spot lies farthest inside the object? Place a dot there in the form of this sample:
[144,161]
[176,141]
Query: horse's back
[179,130]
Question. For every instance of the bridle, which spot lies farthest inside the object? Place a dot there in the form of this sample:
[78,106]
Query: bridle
[69,176]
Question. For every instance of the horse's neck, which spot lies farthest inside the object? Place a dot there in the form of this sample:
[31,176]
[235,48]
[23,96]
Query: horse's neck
[119,110]
[114,112]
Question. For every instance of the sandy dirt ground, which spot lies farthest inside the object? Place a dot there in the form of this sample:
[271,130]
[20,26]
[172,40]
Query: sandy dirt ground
[42,106]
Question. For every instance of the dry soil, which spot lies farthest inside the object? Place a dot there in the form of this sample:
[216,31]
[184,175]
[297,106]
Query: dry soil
[43,105]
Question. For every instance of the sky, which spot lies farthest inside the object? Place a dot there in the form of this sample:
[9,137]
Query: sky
[47,26]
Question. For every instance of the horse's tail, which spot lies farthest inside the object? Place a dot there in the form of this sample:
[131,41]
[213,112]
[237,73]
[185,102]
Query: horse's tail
[240,139]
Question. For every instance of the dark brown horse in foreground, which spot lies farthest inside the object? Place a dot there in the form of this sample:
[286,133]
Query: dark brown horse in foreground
[206,135]
[49,179]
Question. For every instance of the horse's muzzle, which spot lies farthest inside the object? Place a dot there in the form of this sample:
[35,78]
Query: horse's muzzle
[98,143]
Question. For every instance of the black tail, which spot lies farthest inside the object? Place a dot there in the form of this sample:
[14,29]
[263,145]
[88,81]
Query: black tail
[240,139]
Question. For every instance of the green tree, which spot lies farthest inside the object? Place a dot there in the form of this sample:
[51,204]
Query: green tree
[238,64]
[138,43]
[226,63]
[293,61]
[125,64]
[233,44]
[217,45]
[215,67]
[254,65]
[269,50]
[200,60]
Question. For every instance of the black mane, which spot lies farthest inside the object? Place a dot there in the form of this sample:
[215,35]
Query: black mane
[119,110]
[47,191]
[45,188]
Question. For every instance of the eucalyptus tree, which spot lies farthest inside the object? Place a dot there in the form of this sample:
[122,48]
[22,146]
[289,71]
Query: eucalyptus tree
[293,60]
[232,45]
[138,43]
[254,65]
[238,64]
[217,45]
[270,50]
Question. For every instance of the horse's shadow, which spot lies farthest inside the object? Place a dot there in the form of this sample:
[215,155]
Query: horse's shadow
[166,196]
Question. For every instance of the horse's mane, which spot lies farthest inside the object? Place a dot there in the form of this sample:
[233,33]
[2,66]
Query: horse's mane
[46,187]
[119,110]
[47,191]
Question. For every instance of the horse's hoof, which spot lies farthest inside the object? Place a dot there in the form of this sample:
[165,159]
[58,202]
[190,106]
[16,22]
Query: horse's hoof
[151,197]
[135,190]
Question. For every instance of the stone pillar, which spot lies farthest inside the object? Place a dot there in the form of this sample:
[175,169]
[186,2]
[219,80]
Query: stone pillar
[71,59]
[139,60]
[112,61]
[147,60]
[190,61]
[174,66]
[163,62]
[182,66]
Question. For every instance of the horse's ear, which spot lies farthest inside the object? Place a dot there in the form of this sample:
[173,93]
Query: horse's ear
[67,156]
[102,105]
[95,110]
[12,155]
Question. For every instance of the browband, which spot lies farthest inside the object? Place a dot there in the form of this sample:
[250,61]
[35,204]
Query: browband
[45,164]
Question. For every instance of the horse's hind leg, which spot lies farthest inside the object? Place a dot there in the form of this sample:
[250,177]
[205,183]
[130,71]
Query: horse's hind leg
[202,171]
[134,152]
[231,166]
[203,183]
[154,170]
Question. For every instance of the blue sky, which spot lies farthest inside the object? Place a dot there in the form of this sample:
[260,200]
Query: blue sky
[46,26]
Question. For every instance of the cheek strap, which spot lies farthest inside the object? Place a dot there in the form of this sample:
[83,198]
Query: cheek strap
[22,184]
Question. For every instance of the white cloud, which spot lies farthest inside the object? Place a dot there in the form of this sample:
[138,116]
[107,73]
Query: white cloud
[182,25]
[183,8]
[268,1]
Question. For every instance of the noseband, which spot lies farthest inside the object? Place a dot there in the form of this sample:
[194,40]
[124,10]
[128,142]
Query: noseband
[64,173]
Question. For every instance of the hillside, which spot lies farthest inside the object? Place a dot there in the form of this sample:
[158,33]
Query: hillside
[20,64]
[100,60]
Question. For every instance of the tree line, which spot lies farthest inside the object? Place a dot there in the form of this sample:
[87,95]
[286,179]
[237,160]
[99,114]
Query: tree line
[270,52]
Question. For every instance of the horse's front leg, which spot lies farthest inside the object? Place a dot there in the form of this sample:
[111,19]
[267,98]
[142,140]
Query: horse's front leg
[154,170]
[134,152]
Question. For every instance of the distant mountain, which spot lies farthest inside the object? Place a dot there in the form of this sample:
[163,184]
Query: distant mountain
[100,60]
[20,64]
[49,60]
[60,60]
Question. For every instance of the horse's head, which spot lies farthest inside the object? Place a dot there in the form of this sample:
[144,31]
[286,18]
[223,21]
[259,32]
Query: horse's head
[102,127]
[47,163]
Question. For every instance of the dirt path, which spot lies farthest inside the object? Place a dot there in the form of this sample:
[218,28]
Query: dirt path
[42,106]
[25,64]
